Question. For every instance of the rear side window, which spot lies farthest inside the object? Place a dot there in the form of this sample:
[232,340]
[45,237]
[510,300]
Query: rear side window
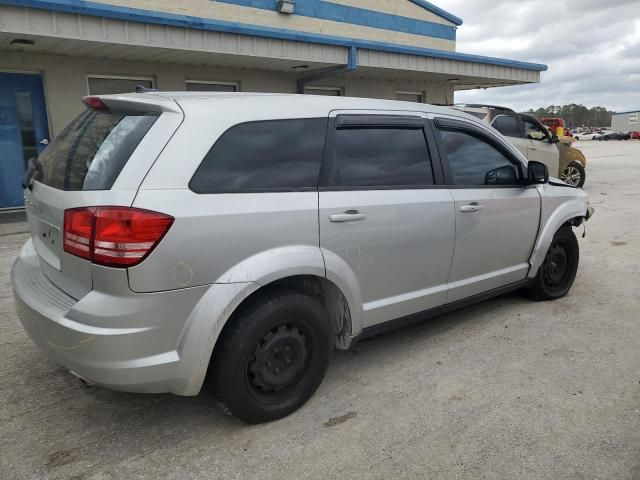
[378,157]
[272,155]
[508,125]
[90,153]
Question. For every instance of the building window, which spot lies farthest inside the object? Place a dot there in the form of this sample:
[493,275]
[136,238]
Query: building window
[327,91]
[207,86]
[106,84]
[417,97]
[633,118]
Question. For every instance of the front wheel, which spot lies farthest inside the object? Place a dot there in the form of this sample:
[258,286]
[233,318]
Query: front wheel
[558,271]
[272,356]
[574,175]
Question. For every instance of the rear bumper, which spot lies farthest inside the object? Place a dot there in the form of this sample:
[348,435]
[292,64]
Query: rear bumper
[128,341]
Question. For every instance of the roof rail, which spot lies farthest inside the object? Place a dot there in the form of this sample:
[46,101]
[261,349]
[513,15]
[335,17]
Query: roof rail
[482,105]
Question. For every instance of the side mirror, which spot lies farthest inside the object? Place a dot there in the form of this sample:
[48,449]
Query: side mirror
[537,173]
[554,139]
[501,176]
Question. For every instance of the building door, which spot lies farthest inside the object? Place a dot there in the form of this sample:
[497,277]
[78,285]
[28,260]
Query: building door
[24,131]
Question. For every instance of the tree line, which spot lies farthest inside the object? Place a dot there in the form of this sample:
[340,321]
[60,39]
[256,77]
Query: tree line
[576,115]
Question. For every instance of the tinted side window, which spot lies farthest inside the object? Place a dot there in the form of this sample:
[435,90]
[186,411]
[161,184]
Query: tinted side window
[471,157]
[378,157]
[507,125]
[260,156]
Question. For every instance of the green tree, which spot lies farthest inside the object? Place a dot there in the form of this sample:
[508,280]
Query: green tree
[575,115]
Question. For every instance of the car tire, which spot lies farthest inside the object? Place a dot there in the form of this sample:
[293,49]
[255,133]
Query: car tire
[575,175]
[272,356]
[558,271]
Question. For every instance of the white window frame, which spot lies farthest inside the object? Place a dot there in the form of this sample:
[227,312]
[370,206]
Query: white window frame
[423,95]
[326,88]
[213,82]
[121,77]
[633,118]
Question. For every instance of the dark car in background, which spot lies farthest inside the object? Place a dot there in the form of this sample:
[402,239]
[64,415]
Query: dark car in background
[614,136]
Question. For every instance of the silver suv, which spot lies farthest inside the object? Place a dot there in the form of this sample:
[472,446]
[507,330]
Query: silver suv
[233,240]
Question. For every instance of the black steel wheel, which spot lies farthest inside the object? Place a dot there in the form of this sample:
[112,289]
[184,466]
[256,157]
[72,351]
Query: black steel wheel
[271,356]
[278,361]
[559,268]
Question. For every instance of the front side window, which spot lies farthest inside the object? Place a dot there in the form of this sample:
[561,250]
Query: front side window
[507,125]
[473,161]
[261,156]
[379,157]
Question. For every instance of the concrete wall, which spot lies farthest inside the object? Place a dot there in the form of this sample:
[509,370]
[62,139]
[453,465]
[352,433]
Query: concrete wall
[65,80]
[620,123]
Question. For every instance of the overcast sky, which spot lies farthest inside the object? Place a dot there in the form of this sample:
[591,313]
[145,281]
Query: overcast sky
[592,48]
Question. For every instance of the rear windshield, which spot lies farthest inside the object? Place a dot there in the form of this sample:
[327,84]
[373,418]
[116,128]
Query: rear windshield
[90,153]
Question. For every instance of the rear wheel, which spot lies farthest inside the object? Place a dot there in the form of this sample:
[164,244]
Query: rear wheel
[272,356]
[574,175]
[558,271]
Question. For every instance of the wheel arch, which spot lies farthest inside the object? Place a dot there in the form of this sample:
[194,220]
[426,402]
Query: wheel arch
[570,213]
[216,310]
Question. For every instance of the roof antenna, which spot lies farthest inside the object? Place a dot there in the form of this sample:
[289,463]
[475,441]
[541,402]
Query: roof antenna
[143,89]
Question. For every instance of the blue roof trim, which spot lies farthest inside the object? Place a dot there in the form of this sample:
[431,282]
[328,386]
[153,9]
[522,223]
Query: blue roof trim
[336,12]
[627,113]
[160,18]
[438,11]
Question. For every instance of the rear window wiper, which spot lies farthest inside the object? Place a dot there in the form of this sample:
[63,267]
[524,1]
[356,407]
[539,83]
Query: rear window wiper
[33,167]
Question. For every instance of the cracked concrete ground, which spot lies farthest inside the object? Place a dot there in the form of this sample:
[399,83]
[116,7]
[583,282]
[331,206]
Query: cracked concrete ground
[505,389]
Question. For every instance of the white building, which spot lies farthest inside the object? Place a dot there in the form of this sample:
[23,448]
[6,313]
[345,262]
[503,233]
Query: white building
[625,121]
[53,52]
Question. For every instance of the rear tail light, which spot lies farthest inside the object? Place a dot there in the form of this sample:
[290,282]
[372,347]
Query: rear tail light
[95,103]
[113,236]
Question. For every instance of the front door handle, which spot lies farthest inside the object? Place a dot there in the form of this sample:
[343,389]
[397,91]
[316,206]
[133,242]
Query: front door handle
[348,216]
[471,207]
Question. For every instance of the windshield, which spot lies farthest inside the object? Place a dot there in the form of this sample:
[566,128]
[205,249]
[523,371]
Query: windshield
[91,152]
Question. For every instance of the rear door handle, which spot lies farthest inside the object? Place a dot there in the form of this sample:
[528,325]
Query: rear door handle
[471,207]
[348,216]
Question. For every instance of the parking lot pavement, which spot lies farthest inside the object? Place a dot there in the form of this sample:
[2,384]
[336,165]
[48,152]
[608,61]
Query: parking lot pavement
[505,389]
